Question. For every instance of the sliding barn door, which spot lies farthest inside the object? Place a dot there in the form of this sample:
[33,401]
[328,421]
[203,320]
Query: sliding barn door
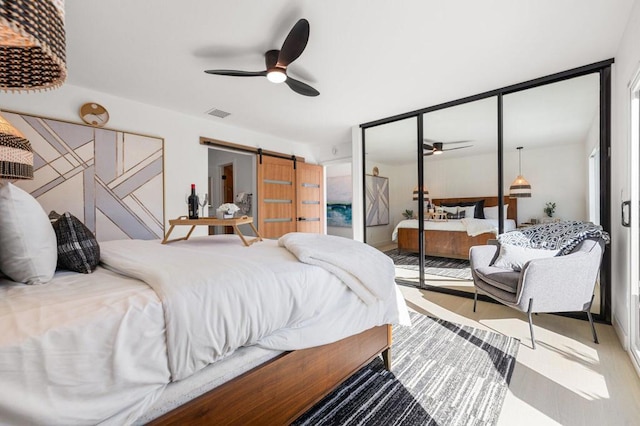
[276,196]
[310,197]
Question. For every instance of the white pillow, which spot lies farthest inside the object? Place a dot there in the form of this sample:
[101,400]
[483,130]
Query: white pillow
[492,212]
[514,257]
[447,209]
[29,251]
[469,211]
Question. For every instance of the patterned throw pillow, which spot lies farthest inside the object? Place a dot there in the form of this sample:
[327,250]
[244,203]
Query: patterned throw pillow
[459,215]
[478,212]
[78,249]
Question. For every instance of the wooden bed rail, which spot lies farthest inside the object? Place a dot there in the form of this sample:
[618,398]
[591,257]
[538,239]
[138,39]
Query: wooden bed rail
[282,389]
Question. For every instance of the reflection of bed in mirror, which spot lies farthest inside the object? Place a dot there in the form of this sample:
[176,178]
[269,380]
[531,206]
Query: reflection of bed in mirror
[452,238]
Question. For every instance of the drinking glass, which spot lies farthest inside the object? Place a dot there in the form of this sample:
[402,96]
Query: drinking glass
[203,199]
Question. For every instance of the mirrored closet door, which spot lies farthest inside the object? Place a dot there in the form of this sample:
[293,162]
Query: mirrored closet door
[534,152]
[557,128]
[391,191]
[461,175]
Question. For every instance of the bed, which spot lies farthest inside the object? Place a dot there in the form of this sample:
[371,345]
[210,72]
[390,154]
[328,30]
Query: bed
[454,237]
[199,331]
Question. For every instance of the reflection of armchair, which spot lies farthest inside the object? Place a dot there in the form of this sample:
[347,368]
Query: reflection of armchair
[553,284]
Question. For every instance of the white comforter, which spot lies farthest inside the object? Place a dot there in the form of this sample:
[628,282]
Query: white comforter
[101,348]
[364,269]
[219,295]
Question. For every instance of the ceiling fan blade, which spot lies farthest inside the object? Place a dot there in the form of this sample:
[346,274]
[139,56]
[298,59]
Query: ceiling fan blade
[300,87]
[450,142]
[460,147]
[235,73]
[271,58]
[426,146]
[444,143]
[294,44]
[426,153]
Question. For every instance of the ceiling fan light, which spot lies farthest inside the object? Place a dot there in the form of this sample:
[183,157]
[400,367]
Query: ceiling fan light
[437,152]
[276,75]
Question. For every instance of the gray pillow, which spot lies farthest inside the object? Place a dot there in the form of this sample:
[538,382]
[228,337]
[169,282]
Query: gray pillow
[78,249]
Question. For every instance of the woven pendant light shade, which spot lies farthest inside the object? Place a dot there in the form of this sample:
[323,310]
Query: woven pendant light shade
[16,155]
[520,188]
[416,193]
[32,45]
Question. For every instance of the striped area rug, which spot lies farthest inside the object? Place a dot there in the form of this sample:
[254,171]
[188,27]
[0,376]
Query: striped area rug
[442,374]
[442,266]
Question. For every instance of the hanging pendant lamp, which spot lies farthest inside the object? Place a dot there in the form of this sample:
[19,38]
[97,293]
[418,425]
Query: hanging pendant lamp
[32,45]
[520,188]
[16,155]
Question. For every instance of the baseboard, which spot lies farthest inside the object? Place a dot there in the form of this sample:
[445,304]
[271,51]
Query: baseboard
[622,336]
[634,362]
[626,344]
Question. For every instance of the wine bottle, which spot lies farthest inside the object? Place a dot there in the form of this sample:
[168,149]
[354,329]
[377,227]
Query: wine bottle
[193,203]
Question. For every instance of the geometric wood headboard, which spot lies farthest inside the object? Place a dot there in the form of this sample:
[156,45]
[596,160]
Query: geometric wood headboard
[112,181]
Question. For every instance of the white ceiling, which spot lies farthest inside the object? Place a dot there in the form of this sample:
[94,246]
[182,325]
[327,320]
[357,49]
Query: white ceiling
[368,58]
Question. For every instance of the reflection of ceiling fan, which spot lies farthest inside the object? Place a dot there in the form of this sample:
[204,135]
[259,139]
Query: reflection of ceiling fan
[277,61]
[435,148]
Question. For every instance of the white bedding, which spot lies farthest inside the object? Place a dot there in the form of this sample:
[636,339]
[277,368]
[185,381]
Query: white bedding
[230,295]
[86,349]
[364,269]
[472,227]
[81,349]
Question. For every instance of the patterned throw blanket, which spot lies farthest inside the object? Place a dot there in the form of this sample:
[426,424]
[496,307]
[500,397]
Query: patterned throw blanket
[563,236]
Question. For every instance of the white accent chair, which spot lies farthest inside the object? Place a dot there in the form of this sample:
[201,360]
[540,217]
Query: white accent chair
[555,284]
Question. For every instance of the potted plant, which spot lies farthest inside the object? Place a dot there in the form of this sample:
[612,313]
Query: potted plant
[549,209]
[408,214]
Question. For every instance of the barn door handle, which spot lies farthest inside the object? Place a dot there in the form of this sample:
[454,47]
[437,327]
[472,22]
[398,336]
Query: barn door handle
[627,204]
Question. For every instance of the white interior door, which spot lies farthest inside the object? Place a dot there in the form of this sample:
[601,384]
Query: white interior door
[634,210]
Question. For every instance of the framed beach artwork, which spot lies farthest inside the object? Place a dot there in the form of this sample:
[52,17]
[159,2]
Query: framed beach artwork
[339,198]
[377,200]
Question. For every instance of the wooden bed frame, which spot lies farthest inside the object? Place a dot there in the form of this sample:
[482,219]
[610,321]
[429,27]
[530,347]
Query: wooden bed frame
[452,244]
[280,390]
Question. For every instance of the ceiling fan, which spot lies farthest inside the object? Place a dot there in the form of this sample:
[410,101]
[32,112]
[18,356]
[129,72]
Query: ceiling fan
[435,148]
[277,61]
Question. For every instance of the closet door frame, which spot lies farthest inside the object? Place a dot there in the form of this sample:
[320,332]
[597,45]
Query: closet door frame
[603,68]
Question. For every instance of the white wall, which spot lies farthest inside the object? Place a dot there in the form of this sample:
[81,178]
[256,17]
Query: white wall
[627,62]
[592,141]
[556,174]
[185,160]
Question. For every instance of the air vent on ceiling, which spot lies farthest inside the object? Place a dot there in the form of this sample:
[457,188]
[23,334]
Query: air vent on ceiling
[218,113]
